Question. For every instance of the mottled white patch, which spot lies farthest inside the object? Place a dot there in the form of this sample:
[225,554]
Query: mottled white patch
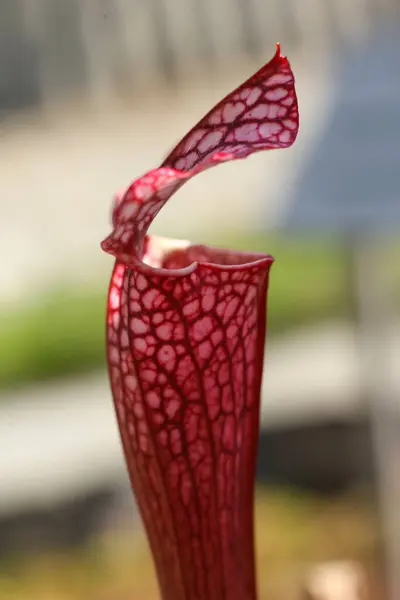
[191,159]
[208,302]
[144,443]
[193,140]
[131,383]
[118,274]
[202,328]
[113,355]
[273,111]
[215,118]
[111,334]
[268,129]
[276,94]
[232,332]
[204,350]
[161,378]
[140,345]
[124,339]
[250,294]
[141,283]
[129,210]
[164,331]
[172,406]
[279,79]
[180,350]
[232,110]
[210,141]
[285,137]
[216,337]
[191,308]
[289,101]
[153,400]
[158,318]
[116,320]
[223,374]
[231,307]
[180,164]
[145,209]
[289,124]
[258,112]
[135,306]
[149,299]
[254,95]
[125,237]
[143,192]
[138,326]
[118,231]
[247,133]
[166,356]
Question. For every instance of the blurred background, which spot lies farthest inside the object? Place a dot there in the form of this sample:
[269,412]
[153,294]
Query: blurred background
[92,94]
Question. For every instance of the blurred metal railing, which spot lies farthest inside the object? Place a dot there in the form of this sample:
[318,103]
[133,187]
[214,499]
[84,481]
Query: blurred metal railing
[53,48]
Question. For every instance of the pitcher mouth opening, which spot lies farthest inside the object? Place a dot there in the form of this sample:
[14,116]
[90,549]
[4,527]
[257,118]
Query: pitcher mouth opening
[166,255]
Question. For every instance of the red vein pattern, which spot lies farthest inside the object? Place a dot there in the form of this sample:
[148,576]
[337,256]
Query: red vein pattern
[185,347]
[260,114]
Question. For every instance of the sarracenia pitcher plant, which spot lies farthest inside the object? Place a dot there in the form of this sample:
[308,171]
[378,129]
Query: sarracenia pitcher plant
[185,347]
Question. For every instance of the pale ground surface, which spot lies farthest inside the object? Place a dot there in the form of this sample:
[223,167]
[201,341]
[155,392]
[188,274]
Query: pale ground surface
[60,440]
[59,173]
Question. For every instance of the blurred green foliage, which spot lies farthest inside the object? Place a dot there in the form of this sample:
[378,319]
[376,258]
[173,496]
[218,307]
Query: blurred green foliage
[62,332]
[58,334]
